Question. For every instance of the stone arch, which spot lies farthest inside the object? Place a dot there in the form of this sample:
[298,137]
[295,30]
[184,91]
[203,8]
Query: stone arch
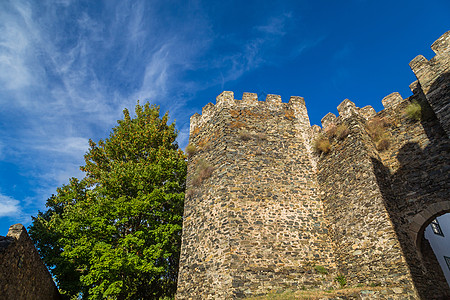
[421,220]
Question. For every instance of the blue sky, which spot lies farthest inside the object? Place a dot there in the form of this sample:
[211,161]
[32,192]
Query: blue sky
[68,68]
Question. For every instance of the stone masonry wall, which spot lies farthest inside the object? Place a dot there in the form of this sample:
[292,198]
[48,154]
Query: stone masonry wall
[257,223]
[268,210]
[411,177]
[23,275]
[434,77]
[417,170]
[367,247]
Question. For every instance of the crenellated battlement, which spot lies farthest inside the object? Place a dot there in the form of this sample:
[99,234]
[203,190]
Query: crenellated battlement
[266,213]
[226,100]
[346,110]
[427,73]
[432,76]
[427,70]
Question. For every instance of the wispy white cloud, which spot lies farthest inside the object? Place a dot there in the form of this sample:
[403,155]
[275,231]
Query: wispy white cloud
[14,48]
[9,206]
[276,25]
[67,78]
[69,73]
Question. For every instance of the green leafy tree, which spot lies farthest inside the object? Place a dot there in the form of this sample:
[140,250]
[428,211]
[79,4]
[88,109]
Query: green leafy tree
[116,234]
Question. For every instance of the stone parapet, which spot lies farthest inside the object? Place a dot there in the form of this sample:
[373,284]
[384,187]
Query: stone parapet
[433,76]
[392,100]
[226,100]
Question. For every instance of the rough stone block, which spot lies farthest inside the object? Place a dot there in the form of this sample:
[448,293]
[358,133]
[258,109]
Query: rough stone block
[296,100]
[417,64]
[273,99]
[367,112]
[392,100]
[329,119]
[225,98]
[442,44]
[346,109]
[414,87]
[195,122]
[250,98]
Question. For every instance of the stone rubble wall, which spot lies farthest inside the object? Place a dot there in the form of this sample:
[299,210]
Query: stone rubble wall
[367,248]
[412,176]
[434,77]
[257,223]
[416,168]
[273,208]
[23,275]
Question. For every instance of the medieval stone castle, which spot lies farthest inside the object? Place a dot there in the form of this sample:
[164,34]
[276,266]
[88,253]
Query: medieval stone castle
[273,203]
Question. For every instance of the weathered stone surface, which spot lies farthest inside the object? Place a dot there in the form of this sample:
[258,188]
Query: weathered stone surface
[433,76]
[392,100]
[257,222]
[22,273]
[273,209]
[367,112]
[329,119]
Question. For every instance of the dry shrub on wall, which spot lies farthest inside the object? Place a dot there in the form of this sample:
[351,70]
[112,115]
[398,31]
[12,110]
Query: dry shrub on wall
[191,150]
[339,132]
[260,136]
[245,135]
[342,131]
[414,111]
[322,144]
[383,144]
[202,172]
[376,128]
[330,131]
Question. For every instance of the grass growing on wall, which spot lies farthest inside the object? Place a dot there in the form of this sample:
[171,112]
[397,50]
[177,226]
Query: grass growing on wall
[321,269]
[377,132]
[191,150]
[414,111]
[322,144]
[202,172]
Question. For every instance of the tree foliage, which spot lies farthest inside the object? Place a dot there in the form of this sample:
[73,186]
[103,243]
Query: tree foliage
[116,234]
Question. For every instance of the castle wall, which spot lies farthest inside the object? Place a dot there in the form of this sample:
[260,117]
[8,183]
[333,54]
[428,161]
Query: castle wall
[257,223]
[416,168]
[410,181]
[272,210]
[434,78]
[367,248]
[22,273]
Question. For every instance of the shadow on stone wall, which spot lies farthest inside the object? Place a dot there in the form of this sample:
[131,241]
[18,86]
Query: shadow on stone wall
[421,180]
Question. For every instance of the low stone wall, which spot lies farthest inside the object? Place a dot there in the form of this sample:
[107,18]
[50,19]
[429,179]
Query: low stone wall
[22,273]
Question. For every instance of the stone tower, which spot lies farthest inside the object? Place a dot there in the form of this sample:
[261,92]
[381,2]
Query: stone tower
[257,223]
[265,212]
